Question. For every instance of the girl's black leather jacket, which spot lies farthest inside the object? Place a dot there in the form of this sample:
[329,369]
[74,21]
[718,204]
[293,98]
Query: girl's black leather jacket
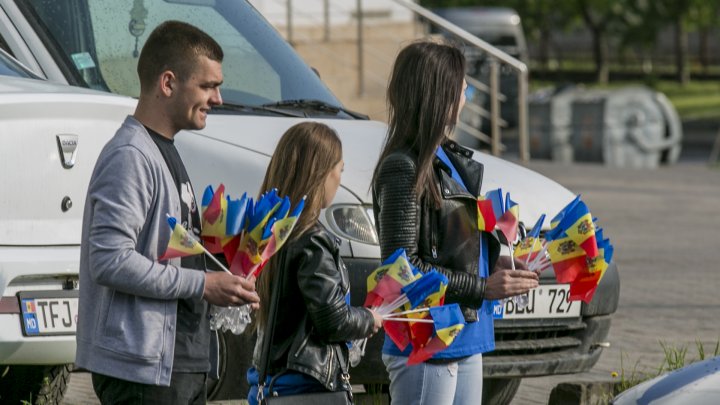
[446,239]
[314,322]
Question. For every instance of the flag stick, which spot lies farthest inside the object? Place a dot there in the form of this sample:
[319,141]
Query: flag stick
[541,269]
[203,248]
[540,255]
[409,320]
[388,308]
[527,261]
[538,263]
[214,259]
[412,311]
[512,256]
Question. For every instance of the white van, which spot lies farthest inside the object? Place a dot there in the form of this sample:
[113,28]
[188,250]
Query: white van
[50,137]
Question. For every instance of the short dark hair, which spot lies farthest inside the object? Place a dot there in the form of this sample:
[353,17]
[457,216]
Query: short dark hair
[174,46]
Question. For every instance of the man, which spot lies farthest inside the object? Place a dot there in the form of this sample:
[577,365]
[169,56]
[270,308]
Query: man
[143,327]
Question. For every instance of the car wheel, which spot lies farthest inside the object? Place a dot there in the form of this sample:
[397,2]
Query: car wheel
[235,358]
[44,385]
[499,391]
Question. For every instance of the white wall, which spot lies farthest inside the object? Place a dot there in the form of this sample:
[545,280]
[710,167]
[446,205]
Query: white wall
[310,12]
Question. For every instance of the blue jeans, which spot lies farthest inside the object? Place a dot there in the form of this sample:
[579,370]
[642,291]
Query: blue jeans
[456,383]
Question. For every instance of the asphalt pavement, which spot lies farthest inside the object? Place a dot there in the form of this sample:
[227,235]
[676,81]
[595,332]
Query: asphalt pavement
[664,224]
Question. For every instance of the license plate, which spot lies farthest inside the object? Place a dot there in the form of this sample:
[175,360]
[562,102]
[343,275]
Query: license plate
[49,312]
[546,301]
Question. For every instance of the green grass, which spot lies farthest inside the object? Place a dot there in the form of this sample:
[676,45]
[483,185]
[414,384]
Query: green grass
[675,357]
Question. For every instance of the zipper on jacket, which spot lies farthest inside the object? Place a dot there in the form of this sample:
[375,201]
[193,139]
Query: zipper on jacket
[302,345]
[433,234]
[330,366]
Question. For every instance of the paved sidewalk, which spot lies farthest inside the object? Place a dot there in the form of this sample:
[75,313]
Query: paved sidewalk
[665,227]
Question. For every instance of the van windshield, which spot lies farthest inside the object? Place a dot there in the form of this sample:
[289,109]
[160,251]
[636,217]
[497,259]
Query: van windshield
[97,44]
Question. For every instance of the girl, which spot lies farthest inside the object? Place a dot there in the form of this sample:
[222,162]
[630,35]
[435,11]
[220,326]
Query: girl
[424,198]
[308,350]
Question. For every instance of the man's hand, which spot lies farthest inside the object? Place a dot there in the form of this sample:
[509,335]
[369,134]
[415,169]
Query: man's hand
[224,289]
[508,283]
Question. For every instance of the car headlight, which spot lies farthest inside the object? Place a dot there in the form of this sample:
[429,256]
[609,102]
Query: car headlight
[353,222]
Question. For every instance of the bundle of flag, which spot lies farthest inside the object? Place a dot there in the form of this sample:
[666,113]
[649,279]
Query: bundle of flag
[574,248]
[448,321]
[529,248]
[267,224]
[496,213]
[384,285]
[405,297]
[248,232]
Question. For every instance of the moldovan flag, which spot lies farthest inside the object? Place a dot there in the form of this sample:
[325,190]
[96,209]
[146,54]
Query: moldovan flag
[181,244]
[448,322]
[560,215]
[567,258]
[496,197]
[583,288]
[529,247]
[578,226]
[508,222]
[281,231]
[248,255]
[214,217]
[486,214]
[427,291]
[385,284]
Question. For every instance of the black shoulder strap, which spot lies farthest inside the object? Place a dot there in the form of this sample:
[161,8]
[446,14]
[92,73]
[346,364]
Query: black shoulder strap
[270,323]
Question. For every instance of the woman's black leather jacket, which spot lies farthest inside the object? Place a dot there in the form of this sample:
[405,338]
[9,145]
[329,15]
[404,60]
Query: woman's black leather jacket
[446,239]
[314,321]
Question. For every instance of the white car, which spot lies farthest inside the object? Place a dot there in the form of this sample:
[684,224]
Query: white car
[697,384]
[50,136]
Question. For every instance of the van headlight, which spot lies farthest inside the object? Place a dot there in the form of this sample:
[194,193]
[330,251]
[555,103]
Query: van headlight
[353,222]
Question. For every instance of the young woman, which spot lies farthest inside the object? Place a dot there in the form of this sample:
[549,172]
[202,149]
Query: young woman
[425,189]
[308,351]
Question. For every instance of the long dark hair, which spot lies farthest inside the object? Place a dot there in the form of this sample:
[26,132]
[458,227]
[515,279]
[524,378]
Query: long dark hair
[423,97]
[302,160]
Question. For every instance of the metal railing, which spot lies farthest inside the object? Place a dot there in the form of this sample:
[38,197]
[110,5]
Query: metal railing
[478,109]
[496,57]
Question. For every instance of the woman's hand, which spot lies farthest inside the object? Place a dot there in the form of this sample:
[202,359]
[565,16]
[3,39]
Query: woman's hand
[377,318]
[508,283]
[503,262]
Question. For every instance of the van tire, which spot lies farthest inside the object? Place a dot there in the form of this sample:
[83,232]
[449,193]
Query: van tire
[42,385]
[499,391]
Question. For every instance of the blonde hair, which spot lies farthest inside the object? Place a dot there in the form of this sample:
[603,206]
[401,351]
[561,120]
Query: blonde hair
[304,157]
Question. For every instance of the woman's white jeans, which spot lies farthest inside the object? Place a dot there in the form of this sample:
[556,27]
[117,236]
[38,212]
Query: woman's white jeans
[456,383]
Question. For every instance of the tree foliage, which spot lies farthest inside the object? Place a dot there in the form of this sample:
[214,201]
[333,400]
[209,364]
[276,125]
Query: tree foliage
[626,24]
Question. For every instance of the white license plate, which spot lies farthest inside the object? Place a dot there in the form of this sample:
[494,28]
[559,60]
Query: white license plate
[546,301]
[49,312]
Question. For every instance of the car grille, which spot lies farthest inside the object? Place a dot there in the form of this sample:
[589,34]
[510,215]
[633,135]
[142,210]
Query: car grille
[513,338]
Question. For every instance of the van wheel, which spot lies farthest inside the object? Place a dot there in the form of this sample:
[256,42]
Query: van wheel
[235,358]
[499,391]
[40,385]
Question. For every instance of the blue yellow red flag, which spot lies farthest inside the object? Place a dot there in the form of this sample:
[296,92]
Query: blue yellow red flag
[508,222]
[181,244]
[427,291]
[386,282]
[567,258]
[486,214]
[448,321]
